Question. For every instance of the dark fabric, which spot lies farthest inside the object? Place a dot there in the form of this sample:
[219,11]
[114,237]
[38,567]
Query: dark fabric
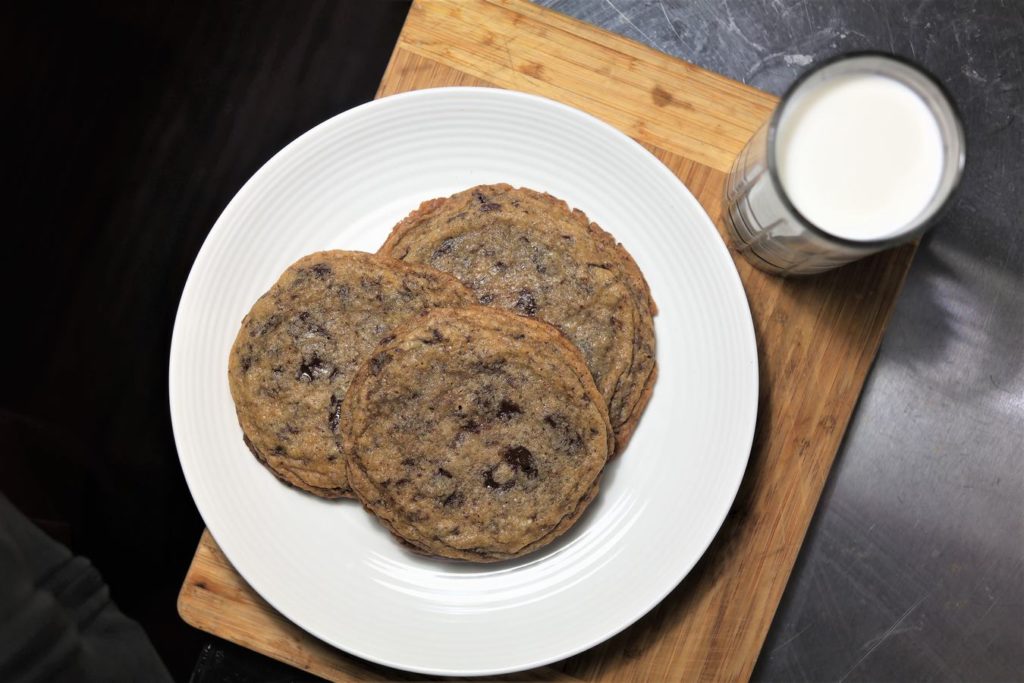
[57,621]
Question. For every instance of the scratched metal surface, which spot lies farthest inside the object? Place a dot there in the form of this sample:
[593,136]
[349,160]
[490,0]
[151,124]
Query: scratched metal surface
[914,564]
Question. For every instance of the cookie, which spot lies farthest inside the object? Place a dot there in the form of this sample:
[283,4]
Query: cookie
[475,434]
[528,252]
[300,346]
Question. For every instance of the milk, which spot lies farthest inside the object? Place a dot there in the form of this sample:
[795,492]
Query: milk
[860,156]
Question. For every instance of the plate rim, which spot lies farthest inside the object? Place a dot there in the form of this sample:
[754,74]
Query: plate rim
[733,277]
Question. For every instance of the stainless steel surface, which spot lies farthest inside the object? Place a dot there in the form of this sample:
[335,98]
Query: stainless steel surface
[914,565]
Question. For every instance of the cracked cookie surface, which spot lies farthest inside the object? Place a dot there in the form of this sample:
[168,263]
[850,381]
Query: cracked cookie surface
[475,434]
[301,344]
[528,252]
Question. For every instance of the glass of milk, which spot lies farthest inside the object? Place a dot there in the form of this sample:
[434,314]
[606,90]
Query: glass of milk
[862,154]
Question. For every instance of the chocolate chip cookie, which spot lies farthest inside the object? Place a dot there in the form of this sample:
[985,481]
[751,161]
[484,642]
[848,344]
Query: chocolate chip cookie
[528,252]
[475,434]
[300,346]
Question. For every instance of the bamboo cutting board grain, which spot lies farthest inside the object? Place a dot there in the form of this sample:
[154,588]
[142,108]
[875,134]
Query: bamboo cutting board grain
[817,338]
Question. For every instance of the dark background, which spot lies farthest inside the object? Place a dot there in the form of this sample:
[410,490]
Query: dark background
[129,126]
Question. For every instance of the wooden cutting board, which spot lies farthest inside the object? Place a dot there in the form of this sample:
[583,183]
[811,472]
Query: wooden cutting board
[816,337]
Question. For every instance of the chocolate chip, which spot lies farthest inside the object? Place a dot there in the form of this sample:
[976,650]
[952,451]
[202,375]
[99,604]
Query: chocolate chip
[290,428]
[321,270]
[370,283]
[525,303]
[445,247]
[442,472]
[507,409]
[453,500]
[471,426]
[435,337]
[269,325]
[313,368]
[493,367]
[521,460]
[388,339]
[515,203]
[313,327]
[335,413]
[486,299]
[490,483]
[378,362]
[572,442]
[410,286]
[490,206]
[408,462]
[279,450]
[246,363]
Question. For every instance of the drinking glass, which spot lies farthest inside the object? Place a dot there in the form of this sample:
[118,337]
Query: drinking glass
[762,221]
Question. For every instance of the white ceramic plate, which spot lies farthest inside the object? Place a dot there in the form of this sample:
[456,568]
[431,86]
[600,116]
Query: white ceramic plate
[328,566]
